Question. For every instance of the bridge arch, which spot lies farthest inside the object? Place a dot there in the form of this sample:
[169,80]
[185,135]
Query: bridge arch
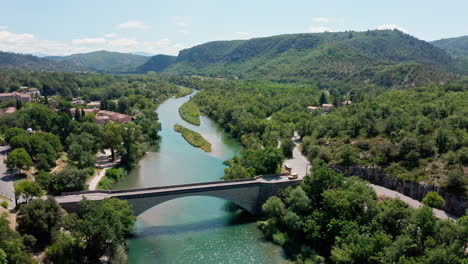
[246,199]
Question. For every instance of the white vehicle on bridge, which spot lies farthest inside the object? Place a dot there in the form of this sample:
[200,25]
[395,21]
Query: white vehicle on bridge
[293,176]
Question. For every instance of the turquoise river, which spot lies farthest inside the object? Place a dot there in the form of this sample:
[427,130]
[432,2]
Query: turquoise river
[193,229]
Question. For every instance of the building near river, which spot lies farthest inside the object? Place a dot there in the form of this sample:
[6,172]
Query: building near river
[312,108]
[327,107]
[104,116]
[345,103]
[15,96]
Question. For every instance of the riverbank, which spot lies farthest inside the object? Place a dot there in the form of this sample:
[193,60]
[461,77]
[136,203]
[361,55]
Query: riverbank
[198,229]
[193,138]
[103,163]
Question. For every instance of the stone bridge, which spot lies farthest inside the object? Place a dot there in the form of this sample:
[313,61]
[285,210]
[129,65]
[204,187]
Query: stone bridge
[249,194]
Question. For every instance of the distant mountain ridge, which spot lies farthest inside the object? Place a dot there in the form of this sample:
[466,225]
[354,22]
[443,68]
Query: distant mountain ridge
[295,57]
[33,63]
[103,61]
[157,63]
[457,47]
[384,57]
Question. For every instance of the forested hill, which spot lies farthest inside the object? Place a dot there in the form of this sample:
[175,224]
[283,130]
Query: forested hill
[33,63]
[103,61]
[157,63]
[457,47]
[302,56]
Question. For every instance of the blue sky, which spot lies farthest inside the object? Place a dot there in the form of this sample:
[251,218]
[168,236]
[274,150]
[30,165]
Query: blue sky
[60,27]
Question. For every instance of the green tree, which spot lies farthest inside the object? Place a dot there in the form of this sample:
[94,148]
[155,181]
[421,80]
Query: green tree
[19,159]
[237,171]
[287,146]
[112,137]
[456,180]
[323,99]
[28,190]
[41,219]
[65,249]
[346,156]
[132,138]
[67,180]
[103,224]
[433,199]
[104,105]
[11,243]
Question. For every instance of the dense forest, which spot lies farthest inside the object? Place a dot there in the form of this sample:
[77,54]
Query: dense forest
[333,219]
[349,56]
[99,227]
[415,134]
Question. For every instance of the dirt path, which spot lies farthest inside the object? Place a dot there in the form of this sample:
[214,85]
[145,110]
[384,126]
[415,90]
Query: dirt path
[103,162]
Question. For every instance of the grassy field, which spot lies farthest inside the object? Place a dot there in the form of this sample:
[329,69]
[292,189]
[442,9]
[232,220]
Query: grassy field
[193,138]
[190,113]
[183,91]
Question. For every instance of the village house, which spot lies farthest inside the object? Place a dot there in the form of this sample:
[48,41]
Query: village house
[34,92]
[312,108]
[327,107]
[347,102]
[14,96]
[103,116]
[93,105]
[78,102]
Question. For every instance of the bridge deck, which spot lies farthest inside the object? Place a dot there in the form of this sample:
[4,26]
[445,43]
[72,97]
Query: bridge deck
[172,189]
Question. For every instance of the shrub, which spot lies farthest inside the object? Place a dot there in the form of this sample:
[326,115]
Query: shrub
[456,180]
[115,174]
[4,204]
[362,144]
[433,199]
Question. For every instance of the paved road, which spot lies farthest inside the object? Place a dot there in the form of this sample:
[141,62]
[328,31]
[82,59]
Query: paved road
[298,163]
[7,188]
[382,191]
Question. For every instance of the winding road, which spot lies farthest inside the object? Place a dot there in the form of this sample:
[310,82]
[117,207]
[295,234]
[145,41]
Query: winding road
[300,165]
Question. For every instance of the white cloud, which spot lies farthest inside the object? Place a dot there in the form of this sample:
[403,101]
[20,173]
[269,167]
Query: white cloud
[180,21]
[323,19]
[392,27]
[184,31]
[28,43]
[319,29]
[242,35]
[3,27]
[110,35]
[133,25]
[88,41]
[9,37]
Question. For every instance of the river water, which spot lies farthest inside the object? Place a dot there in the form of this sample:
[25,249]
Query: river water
[192,229]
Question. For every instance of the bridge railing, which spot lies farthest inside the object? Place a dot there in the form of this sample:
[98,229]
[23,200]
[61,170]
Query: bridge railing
[265,176]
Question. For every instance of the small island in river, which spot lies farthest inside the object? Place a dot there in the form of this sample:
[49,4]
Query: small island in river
[194,138]
[190,113]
